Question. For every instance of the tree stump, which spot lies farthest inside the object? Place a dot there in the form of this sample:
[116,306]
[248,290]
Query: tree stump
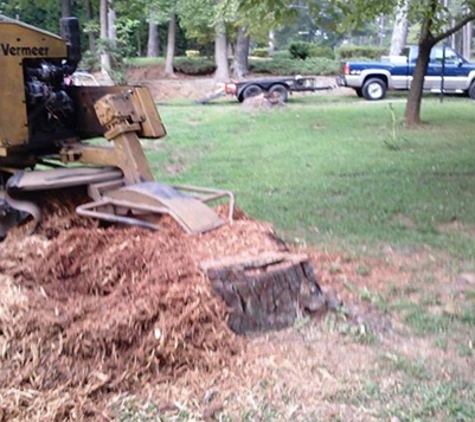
[266,292]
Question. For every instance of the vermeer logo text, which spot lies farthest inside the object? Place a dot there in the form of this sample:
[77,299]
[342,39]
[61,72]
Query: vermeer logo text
[9,50]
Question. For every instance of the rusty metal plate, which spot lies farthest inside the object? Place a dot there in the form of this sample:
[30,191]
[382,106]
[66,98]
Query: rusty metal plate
[190,213]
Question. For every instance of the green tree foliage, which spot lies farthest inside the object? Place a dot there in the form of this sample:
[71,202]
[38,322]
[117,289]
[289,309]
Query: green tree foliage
[198,18]
[43,14]
[41,11]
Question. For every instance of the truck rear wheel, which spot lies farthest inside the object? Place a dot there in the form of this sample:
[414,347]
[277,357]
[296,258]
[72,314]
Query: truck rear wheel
[471,91]
[374,89]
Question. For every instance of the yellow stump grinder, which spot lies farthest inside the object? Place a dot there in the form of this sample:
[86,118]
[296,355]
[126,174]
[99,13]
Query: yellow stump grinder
[46,126]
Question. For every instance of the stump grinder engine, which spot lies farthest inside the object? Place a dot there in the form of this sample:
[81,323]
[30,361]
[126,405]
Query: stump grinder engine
[45,125]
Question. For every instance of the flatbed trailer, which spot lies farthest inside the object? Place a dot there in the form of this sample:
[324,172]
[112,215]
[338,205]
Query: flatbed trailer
[276,88]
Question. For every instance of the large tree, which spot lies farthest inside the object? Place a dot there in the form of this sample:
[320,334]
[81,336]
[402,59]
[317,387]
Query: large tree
[244,24]
[104,24]
[435,27]
[203,20]
[153,41]
[161,12]
[171,39]
[399,36]
[241,53]
[90,22]
[66,8]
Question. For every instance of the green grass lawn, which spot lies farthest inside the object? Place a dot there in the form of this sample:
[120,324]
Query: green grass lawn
[145,61]
[334,171]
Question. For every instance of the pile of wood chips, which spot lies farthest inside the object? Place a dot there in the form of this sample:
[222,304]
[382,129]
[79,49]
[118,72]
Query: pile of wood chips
[86,312]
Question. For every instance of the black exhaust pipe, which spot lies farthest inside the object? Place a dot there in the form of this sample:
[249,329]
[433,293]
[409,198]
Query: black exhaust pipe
[71,33]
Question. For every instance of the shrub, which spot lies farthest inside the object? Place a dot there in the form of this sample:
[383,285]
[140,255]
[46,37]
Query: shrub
[195,66]
[321,51]
[351,51]
[192,53]
[89,62]
[273,67]
[361,59]
[286,66]
[322,66]
[145,61]
[260,52]
[299,50]
[281,54]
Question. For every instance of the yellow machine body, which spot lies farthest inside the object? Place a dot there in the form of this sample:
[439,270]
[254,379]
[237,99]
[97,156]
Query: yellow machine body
[39,111]
[20,42]
[46,120]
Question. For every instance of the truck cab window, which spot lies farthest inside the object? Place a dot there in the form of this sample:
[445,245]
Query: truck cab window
[406,53]
[437,56]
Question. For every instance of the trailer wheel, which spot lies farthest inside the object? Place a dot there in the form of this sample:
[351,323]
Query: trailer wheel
[251,91]
[278,94]
[374,89]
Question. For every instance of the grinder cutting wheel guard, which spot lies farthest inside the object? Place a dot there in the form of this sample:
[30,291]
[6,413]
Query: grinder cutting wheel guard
[45,125]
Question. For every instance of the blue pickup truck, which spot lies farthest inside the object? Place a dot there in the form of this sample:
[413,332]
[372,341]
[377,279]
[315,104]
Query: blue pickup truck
[372,80]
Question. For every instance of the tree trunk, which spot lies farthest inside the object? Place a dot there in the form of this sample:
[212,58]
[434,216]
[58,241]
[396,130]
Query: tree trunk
[399,37]
[66,8]
[153,45]
[170,45]
[467,40]
[271,42]
[103,9]
[139,44]
[241,56]
[220,54]
[105,56]
[92,38]
[111,29]
[426,42]
[414,99]
[381,30]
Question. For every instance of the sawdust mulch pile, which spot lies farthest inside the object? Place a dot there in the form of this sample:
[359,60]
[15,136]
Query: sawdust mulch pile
[86,312]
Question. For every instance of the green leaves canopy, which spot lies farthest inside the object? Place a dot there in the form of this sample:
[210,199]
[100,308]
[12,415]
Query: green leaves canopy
[352,14]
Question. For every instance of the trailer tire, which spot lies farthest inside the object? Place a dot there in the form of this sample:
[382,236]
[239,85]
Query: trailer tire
[471,91]
[374,89]
[251,91]
[278,94]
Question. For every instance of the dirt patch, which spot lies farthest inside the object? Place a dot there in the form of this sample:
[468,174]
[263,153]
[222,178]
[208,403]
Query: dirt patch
[403,221]
[456,226]
[179,88]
